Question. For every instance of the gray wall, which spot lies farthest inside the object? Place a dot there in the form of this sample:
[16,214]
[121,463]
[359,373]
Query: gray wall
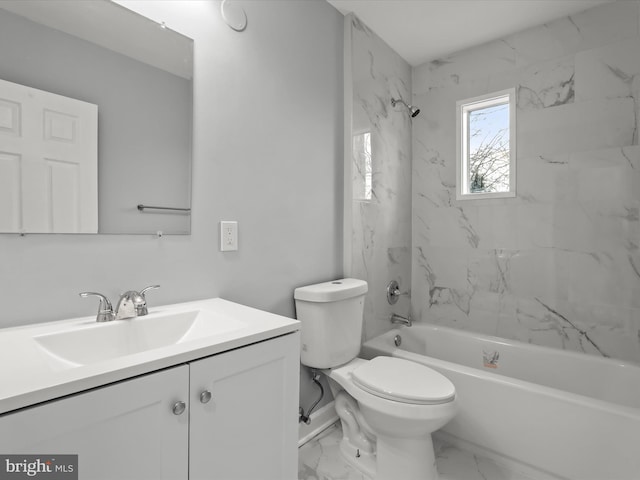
[267,153]
[268,130]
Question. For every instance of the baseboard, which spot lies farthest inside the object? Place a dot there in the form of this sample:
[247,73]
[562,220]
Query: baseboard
[321,419]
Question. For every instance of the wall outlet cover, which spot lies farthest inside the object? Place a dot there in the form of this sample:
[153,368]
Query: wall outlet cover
[228,236]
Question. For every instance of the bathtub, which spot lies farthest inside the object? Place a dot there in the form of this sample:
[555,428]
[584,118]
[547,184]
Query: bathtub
[567,414]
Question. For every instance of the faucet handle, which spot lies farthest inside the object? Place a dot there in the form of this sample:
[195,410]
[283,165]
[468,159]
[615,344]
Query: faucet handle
[105,309]
[393,292]
[146,289]
[143,310]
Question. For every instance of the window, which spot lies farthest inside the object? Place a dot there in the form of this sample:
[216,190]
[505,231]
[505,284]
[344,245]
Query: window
[362,171]
[486,163]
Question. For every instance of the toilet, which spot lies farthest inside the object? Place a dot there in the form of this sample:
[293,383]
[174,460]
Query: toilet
[388,406]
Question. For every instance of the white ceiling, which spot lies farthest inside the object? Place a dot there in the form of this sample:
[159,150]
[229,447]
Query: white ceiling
[425,30]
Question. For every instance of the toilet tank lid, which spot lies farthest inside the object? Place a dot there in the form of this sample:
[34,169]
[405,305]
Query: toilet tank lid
[331,291]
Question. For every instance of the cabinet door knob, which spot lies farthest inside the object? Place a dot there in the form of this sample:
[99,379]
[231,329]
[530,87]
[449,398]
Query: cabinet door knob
[179,408]
[205,396]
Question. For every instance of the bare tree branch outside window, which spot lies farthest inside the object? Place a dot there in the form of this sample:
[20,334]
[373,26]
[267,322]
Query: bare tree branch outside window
[489,152]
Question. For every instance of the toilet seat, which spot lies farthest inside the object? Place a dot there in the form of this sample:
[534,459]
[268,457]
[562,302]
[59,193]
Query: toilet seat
[416,414]
[403,381]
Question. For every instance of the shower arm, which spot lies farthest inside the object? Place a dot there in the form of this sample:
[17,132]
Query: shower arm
[413,111]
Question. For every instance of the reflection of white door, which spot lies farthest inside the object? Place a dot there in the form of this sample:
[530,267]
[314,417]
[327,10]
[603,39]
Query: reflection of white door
[48,162]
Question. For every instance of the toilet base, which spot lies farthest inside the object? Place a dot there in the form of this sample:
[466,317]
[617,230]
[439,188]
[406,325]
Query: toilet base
[364,462]
[395,458]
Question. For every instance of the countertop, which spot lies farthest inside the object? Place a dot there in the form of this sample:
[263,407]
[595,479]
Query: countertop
[29,375]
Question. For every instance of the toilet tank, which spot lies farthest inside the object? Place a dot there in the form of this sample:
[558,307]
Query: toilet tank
[331,315]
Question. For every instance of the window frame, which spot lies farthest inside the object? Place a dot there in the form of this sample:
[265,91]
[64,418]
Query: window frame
[463,108]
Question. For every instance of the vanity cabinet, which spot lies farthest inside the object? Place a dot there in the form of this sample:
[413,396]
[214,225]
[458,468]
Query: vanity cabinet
[237,420]
[249,428]
[122,431]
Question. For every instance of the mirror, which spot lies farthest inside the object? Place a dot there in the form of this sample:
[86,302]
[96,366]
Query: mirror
[139,75]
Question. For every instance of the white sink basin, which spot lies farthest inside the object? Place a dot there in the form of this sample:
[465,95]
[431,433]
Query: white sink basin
[98,342]
[41,362]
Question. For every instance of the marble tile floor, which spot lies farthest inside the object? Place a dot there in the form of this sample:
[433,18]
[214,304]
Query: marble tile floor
[320,459]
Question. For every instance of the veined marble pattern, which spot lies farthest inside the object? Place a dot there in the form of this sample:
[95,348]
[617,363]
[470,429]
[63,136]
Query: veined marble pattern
[539,90]
[381,232]
[559,265]
[320,459]
[583,31]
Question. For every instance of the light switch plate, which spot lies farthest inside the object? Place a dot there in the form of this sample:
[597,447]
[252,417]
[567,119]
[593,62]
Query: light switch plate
[228,236]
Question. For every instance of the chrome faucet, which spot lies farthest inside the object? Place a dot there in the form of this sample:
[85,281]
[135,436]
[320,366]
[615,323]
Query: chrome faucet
[395,318]
[133,304]
[105,310]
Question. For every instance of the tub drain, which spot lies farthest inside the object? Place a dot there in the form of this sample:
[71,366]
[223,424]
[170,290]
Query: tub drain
[397,340]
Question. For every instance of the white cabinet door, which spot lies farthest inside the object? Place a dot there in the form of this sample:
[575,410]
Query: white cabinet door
[125,431]
[248,430]
[48,162]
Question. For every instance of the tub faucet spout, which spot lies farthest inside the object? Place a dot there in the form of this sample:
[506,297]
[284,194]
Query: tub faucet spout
[399,319]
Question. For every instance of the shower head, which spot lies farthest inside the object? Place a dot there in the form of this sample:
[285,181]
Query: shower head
[413,111]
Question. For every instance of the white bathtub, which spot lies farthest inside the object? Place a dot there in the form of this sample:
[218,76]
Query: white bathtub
[572,415]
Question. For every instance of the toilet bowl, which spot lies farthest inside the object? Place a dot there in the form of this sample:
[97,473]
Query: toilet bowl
[402,403]
[388,406]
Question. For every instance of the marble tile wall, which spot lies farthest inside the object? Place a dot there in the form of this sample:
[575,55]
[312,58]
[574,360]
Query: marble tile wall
[559,265]
[381,233]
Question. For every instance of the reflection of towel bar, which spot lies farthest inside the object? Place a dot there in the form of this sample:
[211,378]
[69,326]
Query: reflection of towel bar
[143,207]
